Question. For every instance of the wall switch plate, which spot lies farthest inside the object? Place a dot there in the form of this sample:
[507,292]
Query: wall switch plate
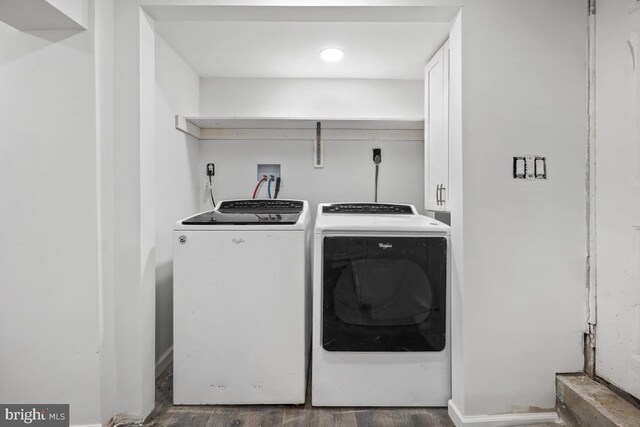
[540,167]
[529,167]
[268,170]
[519,168]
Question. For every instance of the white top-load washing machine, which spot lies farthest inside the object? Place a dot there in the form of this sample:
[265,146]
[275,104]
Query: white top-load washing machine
[241,286]
[380,307]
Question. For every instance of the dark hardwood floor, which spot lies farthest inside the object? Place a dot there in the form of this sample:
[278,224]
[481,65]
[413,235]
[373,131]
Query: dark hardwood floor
[166,414]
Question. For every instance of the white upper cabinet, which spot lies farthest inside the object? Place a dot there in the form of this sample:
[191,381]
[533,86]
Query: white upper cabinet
[436,130]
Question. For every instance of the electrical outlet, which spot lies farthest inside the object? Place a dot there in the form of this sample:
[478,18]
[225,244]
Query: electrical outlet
[211,169]
[377,155]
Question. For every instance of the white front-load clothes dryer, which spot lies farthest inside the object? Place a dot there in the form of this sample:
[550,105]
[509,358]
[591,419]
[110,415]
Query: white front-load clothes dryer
[241,304]
[380,307]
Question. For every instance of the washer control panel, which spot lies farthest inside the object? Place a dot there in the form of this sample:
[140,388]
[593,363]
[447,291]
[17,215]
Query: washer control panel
[261,206]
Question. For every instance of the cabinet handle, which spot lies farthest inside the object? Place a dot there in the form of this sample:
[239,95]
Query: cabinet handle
[442,190]
[438,194]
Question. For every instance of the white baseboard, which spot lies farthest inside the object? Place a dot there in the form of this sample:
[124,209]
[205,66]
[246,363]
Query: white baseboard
[129,420]
[503,420]
[124,420]
[163,361]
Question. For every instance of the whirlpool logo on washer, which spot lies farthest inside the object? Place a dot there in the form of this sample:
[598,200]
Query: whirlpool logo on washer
[182,239]
[385,245]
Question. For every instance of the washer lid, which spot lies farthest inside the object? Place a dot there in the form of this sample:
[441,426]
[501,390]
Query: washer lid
[221,218]
[250,212]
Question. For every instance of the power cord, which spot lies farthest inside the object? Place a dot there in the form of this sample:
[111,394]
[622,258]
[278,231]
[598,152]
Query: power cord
[377,171]
[213,202]
[271,178]
[377,158]
[275,196]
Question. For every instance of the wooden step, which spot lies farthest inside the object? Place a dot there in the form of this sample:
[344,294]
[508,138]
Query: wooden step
[584,402]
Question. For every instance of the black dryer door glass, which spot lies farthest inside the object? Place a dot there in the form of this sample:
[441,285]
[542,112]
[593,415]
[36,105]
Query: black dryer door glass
[384,293]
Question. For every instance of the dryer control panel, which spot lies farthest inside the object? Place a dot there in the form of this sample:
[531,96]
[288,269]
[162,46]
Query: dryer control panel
[367,208]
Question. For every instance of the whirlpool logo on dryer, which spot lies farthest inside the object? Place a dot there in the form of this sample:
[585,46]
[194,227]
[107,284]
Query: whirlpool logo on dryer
[385,245]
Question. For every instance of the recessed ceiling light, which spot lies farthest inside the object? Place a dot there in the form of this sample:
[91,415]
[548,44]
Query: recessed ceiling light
[331,54]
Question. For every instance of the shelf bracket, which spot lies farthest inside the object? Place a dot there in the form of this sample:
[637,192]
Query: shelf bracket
[318,153]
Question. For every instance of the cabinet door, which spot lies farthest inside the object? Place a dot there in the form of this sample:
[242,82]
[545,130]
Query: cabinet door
[436,130]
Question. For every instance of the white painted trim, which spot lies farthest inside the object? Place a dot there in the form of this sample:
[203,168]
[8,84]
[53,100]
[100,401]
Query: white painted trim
[305,123]
[502,420]
[300,129]
[250,134]
[124,420]
[163,361]
[187,127]
[591,173]
[149,411]
[127,420]
[306,134]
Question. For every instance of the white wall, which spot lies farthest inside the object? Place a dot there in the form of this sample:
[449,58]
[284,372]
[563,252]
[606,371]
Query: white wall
[142,305]
[314,98]
[348,174]
[617,204]
[103,14]
[177,91]
[524,296]
[134,210]
[78,10]
[456,176]
[49,331]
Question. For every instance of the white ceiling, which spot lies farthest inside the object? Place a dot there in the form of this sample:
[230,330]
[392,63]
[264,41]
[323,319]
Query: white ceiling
[289,48]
